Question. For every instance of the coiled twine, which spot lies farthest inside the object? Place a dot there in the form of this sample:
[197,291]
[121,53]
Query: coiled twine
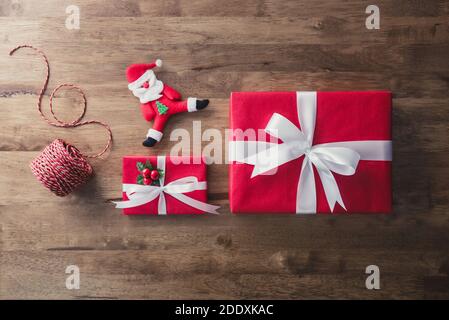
[61,167]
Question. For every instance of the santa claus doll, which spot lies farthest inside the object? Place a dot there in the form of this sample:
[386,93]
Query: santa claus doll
[158,101]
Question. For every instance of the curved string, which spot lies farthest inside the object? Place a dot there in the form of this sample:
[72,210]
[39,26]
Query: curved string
[58,123]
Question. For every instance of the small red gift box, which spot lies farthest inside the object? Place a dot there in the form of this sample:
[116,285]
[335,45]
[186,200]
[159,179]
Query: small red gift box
[164,185]
[310,152]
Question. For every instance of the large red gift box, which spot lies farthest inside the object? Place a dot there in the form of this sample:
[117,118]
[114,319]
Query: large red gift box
[352,131]
[177,173]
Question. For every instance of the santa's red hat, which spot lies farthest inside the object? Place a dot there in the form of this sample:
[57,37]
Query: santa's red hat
[135,71]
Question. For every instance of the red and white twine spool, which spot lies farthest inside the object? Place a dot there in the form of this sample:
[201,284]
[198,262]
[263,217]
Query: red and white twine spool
[61,167]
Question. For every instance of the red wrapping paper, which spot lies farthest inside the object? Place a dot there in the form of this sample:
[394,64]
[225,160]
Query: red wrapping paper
[341,116]
[191,166]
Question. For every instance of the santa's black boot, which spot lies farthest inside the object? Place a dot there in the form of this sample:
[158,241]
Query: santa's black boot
[149,142]
[201,104]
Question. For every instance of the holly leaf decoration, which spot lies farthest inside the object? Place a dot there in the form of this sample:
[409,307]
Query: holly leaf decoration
[156,183]
[148,165]
[140,179]
[161,108]
[161,173]
[140,166]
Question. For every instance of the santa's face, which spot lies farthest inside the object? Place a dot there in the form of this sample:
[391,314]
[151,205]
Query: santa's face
[147,88]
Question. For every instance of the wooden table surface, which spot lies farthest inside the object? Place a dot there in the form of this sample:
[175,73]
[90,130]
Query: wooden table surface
[211,48]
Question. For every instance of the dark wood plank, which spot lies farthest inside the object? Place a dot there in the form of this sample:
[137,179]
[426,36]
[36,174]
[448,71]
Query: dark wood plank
[232,8]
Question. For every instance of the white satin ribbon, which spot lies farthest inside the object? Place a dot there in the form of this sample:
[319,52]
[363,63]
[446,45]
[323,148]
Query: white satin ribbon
[141,194]
[338,157]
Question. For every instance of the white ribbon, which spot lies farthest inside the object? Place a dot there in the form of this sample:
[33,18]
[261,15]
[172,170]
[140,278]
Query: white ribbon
[142,194]
[338,157]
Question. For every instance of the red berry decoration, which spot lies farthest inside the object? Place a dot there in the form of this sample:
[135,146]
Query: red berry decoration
[154,175]
[146,85]
[146,172]
[146,181]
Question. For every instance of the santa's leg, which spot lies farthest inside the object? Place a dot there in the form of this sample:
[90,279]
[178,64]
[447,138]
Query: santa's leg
[155,134]
[193,104]
[189,105]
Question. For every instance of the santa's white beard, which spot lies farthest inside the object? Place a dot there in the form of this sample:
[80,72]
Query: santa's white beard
[147,94]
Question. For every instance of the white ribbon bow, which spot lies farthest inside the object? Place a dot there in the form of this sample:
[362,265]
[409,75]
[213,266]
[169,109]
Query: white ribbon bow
[142,194]
[337,157]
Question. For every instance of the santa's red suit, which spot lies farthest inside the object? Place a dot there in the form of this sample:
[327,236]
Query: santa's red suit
[158,101]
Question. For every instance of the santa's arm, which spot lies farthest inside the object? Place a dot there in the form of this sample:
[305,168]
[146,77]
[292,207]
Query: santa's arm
[171,93]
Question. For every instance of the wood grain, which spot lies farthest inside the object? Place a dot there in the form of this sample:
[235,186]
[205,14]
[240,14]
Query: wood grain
[211,48]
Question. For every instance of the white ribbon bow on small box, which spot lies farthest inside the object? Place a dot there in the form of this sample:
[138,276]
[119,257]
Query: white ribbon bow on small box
[338,157]
[141,194]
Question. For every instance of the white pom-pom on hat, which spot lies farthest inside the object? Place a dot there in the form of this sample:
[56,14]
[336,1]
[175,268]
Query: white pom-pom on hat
[158,62]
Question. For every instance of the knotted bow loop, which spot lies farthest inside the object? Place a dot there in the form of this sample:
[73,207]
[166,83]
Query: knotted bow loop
[282,128]
[272,156]
[184,185]
[340,160]
[138,195]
